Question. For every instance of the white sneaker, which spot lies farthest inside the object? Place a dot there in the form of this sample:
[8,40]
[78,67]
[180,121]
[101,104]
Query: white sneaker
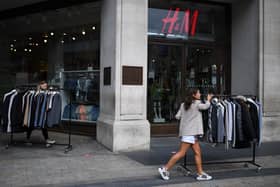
[49,141]
[203,177]
[163,173]
[48,145]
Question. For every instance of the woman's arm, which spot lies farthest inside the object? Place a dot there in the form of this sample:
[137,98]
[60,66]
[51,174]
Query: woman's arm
[179,113]
[204,106]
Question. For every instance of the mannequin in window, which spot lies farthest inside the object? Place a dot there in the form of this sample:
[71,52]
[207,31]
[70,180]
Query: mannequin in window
[156,92]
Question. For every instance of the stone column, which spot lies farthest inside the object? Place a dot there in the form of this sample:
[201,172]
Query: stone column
[244,51]
[122,124]
[270,68]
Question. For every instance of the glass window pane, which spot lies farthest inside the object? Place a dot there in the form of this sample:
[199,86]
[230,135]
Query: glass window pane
[60,46]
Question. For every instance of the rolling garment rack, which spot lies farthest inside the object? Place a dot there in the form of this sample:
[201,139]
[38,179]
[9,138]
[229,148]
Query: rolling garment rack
[68,145]
[252,161]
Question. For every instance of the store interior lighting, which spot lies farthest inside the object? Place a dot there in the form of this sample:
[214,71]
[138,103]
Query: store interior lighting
[32,41]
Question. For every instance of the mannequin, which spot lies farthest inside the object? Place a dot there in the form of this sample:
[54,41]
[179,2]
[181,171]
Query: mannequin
[156,96]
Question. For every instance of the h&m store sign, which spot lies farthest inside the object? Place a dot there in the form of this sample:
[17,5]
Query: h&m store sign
[174,21]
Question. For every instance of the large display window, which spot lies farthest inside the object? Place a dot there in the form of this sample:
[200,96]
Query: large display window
[60,46]
[188,47]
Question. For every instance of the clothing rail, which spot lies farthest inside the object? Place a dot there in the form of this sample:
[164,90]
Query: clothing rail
[252,161]
[51,88]
[230,95]
[246,162]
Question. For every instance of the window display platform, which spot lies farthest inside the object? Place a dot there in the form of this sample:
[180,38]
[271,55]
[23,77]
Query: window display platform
[78,128]
[164,129]
[89,129]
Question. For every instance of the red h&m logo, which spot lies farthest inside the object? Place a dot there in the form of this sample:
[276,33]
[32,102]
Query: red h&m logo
[186,25]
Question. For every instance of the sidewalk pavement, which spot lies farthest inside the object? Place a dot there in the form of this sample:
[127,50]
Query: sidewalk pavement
[90,164]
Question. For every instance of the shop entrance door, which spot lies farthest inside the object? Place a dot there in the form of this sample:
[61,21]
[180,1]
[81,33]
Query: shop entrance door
[165,71]
[172,70]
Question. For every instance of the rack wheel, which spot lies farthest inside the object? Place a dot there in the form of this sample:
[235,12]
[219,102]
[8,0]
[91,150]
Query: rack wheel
[188,173]
[259,169]
[246,165]
[7,147]
[67,149]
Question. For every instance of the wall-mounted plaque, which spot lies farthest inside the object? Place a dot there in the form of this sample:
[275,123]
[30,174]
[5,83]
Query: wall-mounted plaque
[107,76]
[132,75]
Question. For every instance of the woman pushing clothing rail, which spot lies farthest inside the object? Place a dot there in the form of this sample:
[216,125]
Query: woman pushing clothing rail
[191,126]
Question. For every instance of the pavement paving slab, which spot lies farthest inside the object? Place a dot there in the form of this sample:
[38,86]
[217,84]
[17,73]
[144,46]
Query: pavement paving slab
[91,164]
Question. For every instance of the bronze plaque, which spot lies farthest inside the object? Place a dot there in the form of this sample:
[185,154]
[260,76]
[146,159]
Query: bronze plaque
[107,76]
[132,75]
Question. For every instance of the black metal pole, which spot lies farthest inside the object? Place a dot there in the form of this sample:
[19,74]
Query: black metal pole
[69,147]
[12,135]
[70,120]
[254,152]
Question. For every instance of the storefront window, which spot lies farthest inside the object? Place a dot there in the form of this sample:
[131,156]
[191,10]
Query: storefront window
[164,81]
[187,48]
[59,46]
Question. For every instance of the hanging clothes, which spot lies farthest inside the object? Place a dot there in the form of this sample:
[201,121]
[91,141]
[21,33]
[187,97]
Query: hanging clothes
[28,109]
[254,113]
[233,121]
[12,116]
[54,109]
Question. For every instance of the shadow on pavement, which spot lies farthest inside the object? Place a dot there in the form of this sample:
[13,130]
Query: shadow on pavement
[162,148]
[156,181]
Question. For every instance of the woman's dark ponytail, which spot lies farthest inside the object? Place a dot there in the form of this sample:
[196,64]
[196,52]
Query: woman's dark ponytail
[189,98]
